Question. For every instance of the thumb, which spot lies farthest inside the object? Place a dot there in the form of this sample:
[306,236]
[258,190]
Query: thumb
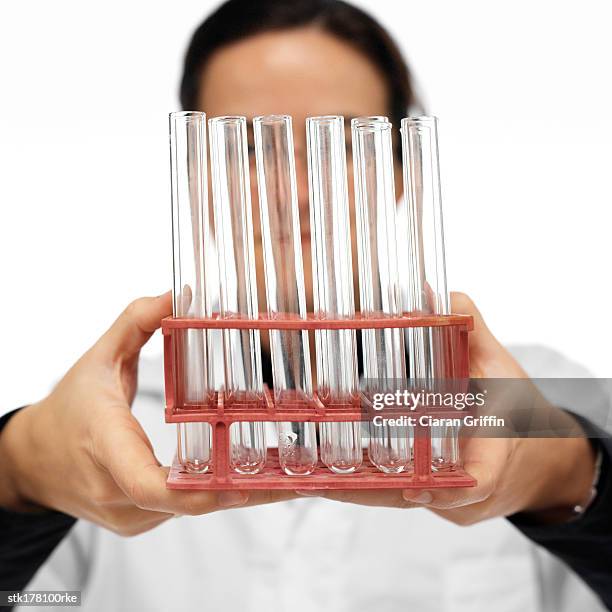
[134,326]
[488,357]
[485,460]
[482,342]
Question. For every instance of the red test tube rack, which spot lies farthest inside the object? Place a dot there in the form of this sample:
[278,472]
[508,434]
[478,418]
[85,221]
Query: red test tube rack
[220,413]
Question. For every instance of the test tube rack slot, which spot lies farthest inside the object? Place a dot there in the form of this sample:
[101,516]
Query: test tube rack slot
[220,412]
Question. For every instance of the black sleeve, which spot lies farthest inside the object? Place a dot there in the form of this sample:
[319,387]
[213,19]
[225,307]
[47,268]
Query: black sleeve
[585,544]
[27,539]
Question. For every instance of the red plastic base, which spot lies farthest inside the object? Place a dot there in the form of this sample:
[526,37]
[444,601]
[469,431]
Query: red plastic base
[273,477]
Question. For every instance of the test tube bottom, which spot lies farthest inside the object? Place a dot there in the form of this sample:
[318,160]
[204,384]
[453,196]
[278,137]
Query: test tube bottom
[247,447]
[444,448]
[341,448]
[390,449]
[297,448]
[195,447]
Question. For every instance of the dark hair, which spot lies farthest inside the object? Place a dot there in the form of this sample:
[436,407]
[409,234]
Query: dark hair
[238,19]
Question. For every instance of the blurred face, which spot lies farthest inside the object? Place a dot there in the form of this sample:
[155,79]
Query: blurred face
[300,72]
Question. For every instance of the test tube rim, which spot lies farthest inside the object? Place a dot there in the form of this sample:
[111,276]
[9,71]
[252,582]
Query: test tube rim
[274,118]
[230,119]
[427,120]
[369,120]
[187,115]
[372,127]
[325,119]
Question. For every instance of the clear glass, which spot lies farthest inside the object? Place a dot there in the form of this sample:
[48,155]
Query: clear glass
[229,163]
[191,295]
[282,249]
[332,271]
[383,351]
[425,264]
[444,447]
[195,447]
[297,448]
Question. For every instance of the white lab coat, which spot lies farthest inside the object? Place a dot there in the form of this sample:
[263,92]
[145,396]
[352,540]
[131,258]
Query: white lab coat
[312,554]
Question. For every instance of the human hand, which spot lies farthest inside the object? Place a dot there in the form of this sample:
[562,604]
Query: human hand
[513,474]
[81,451]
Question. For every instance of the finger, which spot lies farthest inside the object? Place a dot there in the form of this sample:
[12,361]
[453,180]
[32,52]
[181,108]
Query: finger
[130,520]
[465,515]
[488,357]
[135,325]
[481,339]
[485,459]
[389,498]
[461,303]
[444,499]
[150,492]
[124,450]
[411,498]
[257,498]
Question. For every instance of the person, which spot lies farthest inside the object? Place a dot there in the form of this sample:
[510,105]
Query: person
[94,458]
[29,533]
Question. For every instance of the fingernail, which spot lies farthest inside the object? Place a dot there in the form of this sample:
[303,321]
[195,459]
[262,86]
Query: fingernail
[232,498]
[309,493]
[424,497]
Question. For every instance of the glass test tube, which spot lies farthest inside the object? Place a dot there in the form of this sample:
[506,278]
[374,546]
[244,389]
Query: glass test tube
[231,189]
[280,224]
[383,352]
[332,273]
[427,348]
[191,298]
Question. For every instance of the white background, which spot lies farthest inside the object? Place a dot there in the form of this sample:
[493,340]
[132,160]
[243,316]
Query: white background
[524,96]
